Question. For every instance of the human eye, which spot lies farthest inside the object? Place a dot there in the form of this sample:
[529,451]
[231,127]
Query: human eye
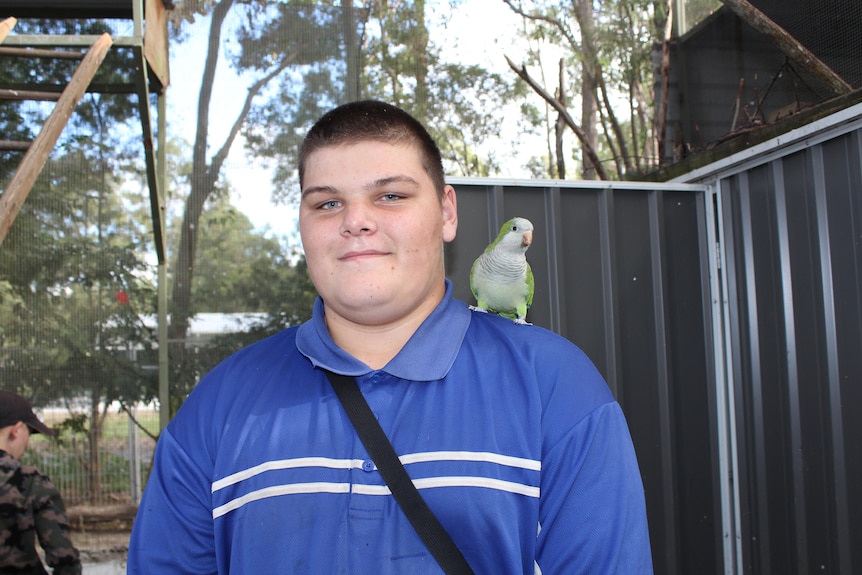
[391,197]
[328,205]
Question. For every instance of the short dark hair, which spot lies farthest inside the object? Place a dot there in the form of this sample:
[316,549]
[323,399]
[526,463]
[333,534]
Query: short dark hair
[376,121]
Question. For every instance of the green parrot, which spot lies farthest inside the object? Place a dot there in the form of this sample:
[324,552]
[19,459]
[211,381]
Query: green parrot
[501,279]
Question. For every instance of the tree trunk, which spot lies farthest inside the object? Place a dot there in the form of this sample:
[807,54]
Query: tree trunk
[348,24]
[420,46]
[204,178]
[202,183]
[589,86]
[560,126]
[624,157]
[661,127]
[94,467]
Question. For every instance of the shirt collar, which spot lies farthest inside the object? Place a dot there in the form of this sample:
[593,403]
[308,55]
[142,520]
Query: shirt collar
[427,356]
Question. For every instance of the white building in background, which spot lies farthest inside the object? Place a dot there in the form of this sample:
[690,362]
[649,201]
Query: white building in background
[205,326]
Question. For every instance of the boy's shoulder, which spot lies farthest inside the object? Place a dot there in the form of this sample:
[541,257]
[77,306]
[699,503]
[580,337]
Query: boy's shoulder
[499,326]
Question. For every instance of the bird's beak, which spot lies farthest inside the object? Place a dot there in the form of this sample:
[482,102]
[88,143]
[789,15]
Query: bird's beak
[527,239]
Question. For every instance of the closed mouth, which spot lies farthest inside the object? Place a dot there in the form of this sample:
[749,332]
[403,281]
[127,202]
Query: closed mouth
[361,255]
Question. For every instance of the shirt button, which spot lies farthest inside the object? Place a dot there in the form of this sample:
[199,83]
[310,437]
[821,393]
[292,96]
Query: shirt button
[368,465]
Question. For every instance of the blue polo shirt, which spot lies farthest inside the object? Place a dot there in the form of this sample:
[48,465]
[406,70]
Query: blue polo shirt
[508,431]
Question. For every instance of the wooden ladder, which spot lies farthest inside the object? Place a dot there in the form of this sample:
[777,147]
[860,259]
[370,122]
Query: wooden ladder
[36,153]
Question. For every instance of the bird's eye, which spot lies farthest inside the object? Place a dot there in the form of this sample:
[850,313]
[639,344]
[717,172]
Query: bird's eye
[514,228]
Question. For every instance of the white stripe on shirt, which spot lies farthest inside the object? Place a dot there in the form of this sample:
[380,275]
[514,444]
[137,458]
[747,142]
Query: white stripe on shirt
[424,457]
[484,456]
[362,489]
[278,490]
[286,464]
[365,489]
[455,481]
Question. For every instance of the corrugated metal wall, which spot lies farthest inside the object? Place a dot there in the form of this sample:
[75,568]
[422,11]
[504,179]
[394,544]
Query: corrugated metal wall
[790,217]
[622,270]
[726,316]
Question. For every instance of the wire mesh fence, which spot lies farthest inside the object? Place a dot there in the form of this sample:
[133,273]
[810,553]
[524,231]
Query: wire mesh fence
[109,471]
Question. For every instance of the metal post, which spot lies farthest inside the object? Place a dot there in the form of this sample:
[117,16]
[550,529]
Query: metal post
[164,386]
[134,458]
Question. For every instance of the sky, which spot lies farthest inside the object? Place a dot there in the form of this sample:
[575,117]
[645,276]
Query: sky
[461,38]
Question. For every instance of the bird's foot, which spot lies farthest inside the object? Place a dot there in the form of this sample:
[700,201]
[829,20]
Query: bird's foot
[521,321]
[477,308]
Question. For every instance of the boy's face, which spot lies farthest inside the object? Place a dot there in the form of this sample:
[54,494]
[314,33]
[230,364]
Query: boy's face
[373,227]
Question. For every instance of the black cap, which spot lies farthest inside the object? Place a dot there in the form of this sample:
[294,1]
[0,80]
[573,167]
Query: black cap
[14,408]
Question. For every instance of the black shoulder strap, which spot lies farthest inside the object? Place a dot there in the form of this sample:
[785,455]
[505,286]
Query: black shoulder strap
[426,524]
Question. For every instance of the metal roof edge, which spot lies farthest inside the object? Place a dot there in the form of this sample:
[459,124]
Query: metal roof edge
[575,184]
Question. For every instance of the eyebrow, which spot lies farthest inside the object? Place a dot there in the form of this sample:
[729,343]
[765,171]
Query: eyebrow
[378,183]
[382,182]
[317,189]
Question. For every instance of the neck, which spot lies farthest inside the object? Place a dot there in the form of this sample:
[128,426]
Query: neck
[372,345]
[376,344]
[5,439]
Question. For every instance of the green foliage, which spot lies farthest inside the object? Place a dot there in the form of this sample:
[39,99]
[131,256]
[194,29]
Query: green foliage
[457,102]
[302,32]
[399,63]
[67,257]
[65,467]
[239,270]
[76,423]
[615,45]
[76,282]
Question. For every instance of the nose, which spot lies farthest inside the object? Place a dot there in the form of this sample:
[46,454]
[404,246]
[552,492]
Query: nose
[357,219]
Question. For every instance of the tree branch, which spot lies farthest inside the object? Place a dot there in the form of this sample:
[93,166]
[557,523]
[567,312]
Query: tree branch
[617,130]
[567,34]
[588,148]
[137,423]
[220,156]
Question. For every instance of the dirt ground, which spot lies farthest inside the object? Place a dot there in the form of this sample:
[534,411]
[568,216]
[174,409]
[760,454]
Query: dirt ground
[102,546]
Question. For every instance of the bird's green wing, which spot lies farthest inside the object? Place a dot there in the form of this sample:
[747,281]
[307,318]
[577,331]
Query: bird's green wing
[473,281]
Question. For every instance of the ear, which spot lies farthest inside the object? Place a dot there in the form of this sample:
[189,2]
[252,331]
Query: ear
[10,432]
[15,430]
[450,213]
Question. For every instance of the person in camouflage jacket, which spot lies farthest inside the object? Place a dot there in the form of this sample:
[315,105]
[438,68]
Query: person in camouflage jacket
[30,505]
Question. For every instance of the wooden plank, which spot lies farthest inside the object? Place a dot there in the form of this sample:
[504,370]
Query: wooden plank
[6,94]
[156,42]
[14,146]
[6,27]
[41,53]
[34,160]
[60,9]
[87,516]
[82,41]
